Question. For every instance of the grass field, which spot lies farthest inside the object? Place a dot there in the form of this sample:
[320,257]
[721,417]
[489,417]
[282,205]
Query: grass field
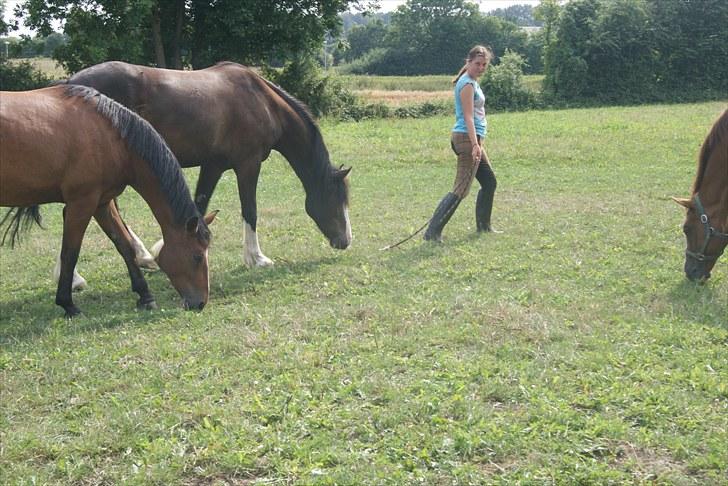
[568,350]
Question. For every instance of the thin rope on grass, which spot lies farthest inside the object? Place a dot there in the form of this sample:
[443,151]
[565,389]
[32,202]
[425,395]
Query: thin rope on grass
[395,245]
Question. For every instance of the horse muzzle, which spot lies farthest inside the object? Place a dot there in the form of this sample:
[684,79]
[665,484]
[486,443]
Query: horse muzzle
[195,305]
[340,243]
[695,270]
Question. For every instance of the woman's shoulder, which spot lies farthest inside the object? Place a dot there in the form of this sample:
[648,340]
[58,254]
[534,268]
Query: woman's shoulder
[463,81]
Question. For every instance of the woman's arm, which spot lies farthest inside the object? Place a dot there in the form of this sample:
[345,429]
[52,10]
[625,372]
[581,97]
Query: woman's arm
[466,101]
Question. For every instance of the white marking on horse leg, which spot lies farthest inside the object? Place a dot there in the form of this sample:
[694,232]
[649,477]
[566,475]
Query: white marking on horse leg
[156,248]
[79,283]
[252,256]
[142,256]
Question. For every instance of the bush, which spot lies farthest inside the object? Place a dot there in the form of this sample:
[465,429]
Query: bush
[504,87]
[323,94]
[21,76]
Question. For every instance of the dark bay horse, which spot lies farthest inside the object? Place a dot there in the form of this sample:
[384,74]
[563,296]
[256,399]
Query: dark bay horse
[71,144]
[706,223]
[227,117]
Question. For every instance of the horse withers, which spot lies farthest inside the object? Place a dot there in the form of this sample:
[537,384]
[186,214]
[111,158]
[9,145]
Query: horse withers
[71,144]
[706,222]
[228,117]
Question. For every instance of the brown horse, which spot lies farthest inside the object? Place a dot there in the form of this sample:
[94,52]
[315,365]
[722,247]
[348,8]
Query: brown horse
[706,224]
[227,117]
[73,145]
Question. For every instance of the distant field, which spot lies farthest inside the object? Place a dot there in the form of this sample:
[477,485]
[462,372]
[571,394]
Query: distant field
[403,90]
[46,65]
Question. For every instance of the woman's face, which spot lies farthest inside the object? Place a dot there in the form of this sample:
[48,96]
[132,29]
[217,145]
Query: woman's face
[476,66]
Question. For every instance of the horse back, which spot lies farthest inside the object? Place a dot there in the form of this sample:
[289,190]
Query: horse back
[215,115]
[52,146]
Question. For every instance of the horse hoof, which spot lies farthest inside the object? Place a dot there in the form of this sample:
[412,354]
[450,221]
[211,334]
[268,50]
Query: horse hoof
[79,283]
[259,261]
[148,264]
[148,305]
[72,312]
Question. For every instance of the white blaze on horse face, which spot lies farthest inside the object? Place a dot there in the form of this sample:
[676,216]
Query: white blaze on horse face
[252,255]
[349,236]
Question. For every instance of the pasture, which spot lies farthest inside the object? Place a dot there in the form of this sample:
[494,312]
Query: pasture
[569,349]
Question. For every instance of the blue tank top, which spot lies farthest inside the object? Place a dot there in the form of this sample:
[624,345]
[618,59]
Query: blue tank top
[481,125]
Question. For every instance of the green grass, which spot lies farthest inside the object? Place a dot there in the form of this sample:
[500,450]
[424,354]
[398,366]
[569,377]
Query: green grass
[568,350]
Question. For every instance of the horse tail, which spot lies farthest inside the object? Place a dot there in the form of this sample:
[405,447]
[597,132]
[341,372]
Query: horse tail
[146,143]
[17,221]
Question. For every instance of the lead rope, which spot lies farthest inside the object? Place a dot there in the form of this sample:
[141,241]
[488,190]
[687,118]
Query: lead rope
[395,245]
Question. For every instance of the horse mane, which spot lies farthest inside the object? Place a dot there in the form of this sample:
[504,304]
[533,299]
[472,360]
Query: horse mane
[321,169]
[144,140]
[716,135]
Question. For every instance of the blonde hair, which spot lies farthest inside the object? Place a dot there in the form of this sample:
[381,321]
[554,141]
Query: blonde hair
[477,51]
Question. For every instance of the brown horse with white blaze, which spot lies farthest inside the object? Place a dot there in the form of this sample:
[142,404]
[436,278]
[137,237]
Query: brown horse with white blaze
[228,117]
[706,223]
[71,144]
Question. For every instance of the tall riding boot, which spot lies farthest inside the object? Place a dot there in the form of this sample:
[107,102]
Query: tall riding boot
[483,210]
[442,215]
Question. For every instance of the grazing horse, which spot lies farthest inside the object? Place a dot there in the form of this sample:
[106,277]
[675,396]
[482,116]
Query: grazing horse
[227,117]
[706,223]
[73,145]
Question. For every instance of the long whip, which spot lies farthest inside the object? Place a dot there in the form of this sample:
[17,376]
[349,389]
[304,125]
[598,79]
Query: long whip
[395,245]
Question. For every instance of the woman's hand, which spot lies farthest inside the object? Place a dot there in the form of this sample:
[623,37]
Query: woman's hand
[476,153]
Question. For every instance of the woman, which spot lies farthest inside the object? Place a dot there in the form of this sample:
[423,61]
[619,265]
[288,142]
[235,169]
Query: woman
[466,139]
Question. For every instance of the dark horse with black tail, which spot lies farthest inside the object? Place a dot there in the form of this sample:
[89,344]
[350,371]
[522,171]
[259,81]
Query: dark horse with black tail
[73,145]
[227,117]
[706,223]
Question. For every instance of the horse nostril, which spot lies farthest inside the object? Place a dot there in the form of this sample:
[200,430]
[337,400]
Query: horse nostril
[201,306]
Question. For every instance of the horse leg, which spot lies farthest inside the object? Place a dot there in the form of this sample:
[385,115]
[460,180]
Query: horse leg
[79,283]
[144,259]
[75,221]
[247,187]
[111,223]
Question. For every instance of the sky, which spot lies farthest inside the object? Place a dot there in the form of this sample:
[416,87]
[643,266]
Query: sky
[386,6]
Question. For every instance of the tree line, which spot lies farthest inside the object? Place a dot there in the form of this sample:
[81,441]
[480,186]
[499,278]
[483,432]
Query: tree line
[605,51]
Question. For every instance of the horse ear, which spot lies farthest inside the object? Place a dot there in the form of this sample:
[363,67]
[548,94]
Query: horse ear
[342,173]
[192,223]
[687,203]
[210,217]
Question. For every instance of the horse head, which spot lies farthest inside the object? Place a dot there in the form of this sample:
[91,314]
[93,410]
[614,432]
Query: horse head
[330,209]
[705,243]
[183,257]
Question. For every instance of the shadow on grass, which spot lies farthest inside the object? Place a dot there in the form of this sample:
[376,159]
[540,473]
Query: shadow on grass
[36,314]
[240,280]
[700,303]
[102,307]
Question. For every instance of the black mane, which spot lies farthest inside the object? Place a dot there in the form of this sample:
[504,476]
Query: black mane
[323,174]
[144,140]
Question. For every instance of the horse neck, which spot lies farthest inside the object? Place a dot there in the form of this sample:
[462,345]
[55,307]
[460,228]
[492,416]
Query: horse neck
[296,144]
[714,185]
[147,185]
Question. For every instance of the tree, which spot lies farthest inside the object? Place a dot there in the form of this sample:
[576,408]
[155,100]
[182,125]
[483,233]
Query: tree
[521,15]
[176,32]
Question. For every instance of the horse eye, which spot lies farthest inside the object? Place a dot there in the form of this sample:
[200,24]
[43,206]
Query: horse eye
[197,258]
[686,229]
